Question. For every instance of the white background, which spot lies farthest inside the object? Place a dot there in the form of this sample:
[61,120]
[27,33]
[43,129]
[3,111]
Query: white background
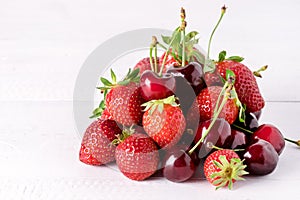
[42,47]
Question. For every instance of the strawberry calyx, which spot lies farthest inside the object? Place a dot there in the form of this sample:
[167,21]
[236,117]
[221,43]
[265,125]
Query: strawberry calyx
[131,76]
[229,171]
[126,132]
[159,104]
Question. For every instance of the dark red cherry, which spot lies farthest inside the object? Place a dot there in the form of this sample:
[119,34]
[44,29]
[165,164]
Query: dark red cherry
[250,123]
[271,134]
[156,87]
[219,135]
[239,139]
[257,114]
[178,165]
[192,73]
[260,157]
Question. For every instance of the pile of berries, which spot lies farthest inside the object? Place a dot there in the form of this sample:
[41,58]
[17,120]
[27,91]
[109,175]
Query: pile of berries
[182,113]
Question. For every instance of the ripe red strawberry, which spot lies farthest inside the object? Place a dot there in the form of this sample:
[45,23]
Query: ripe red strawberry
[245,84]
[96,147]
[105,115]
[170,61]
[206,102]
[144,65]
[137,156]
[122,99]
[223,168]
[164,121]
[124,104]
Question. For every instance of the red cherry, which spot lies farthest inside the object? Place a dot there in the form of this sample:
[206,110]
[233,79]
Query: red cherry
[260,157]
[156,87]
[219,135]
[239,139]
[178,165]
[271,134]
[192,73]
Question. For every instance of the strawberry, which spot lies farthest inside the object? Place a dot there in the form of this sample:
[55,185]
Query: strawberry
[206,102]
[137,156]
[105,115]
[124,104]
[224,167]
[144,65]
[122,99]
[96,147]
[245,84]
[163,121]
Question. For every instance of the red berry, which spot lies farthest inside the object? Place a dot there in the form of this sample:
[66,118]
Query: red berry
[144,65]
[223,168]
[137,157]
[206,102]
[164,123]
[96,147]
[124,104]
[245,84]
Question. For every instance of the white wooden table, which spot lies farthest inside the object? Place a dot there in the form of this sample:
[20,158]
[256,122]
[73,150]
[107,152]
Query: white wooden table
[43,45]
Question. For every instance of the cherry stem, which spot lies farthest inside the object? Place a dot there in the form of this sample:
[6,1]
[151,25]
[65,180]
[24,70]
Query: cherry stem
[215,28]
[151,61]
[225,98]
[257,72]
[182,28]
[167,53]
[296,142]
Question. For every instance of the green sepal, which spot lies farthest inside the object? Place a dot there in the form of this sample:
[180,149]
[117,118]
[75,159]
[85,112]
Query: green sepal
[105,82]
[222,56]
[159,104]
[191,35]
[235,58]
[113,76]
[166,39]
[209,66]
[97,112]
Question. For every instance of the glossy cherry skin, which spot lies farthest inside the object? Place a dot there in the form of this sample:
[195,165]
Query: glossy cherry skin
[239,139]
[179,166]
[257,114]
[192,73]
[156,87]
[260,157]
[271,134]
[251,122]
[219,136]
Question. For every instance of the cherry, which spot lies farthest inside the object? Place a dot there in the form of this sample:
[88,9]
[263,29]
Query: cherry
[250,124]
[257,114]
[192,73]
[271,134]
[156,87]
[179,166]
[239,139]
[219,135]
[260,157]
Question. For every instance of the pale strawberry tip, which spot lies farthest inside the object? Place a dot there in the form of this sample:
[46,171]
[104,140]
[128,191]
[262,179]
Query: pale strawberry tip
[230,171]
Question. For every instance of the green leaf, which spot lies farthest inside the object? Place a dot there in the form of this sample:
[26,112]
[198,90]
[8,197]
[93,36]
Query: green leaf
[133,74]
[104,88]
[222,56]
[113,76]
[235,58]
[191,35]
[166,39]
[105,82]
[124,82]
[209,66]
